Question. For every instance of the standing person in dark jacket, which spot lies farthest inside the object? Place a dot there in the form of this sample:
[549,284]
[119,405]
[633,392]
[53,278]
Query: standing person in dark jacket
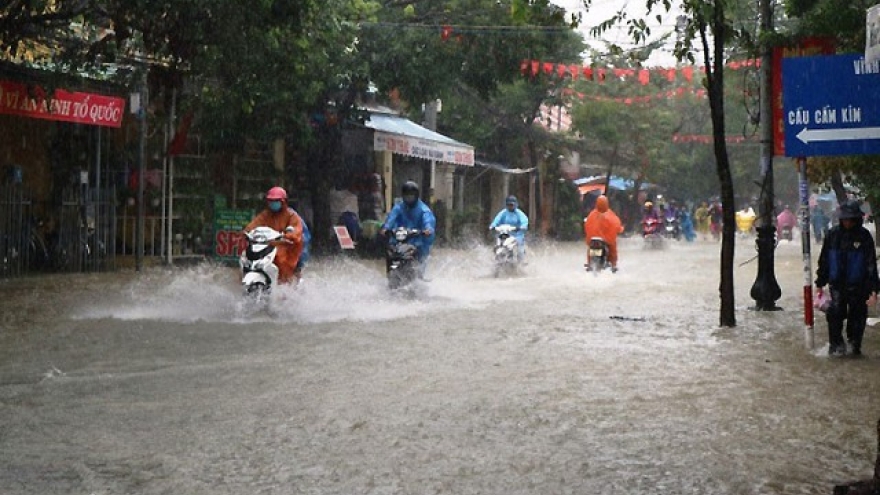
[848,264]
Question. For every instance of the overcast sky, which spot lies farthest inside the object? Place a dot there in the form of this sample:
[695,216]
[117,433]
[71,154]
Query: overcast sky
[602,10]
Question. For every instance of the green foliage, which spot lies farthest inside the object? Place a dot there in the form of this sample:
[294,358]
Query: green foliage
[476,43]
[842,20]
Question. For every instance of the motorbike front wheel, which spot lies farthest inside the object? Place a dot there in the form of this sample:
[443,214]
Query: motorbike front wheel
[400,277]
[257,290]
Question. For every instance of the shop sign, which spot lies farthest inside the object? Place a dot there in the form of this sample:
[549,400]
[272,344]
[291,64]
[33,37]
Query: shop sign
[64,106]
[422,148]
[229,242]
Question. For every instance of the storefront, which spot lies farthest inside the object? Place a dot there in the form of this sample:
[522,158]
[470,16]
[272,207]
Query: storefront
[59,150]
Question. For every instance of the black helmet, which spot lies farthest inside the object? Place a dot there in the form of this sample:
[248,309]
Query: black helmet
[850,209]
[410,189]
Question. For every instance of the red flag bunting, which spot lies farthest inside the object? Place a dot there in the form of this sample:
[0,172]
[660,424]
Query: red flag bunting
[445,32]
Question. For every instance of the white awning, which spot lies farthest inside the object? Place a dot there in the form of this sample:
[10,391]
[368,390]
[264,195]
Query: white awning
[402,136]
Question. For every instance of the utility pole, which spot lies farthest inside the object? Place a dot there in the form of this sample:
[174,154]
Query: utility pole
[765,291]
[141,210]
[431,124]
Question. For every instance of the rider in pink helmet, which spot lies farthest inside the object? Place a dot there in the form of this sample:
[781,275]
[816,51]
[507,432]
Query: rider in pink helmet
[276,193]
[282,218]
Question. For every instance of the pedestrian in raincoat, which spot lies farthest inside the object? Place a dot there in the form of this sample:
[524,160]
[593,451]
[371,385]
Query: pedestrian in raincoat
[701,215]
[512,215]
[603,222]
[282,218]
[687,226]
[820,222]
[848,265]
[716,219]
[413,213]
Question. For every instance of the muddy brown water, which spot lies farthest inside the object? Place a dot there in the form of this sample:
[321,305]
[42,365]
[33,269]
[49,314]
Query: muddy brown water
[553,382]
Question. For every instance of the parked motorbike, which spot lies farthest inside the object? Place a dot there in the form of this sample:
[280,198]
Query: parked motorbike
[401,258]
[598,255]
[259,273]
[506,250]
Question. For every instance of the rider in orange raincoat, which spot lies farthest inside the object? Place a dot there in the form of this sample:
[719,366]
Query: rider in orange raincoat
[603,222]
[282,218]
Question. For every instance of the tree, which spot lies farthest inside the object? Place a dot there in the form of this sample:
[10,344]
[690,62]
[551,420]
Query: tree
[709,24]
[467,53]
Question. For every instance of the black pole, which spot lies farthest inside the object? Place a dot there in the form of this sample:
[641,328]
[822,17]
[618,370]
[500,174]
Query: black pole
[141,210]
[765,291]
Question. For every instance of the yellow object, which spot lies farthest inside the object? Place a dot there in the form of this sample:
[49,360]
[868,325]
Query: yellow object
[745,219]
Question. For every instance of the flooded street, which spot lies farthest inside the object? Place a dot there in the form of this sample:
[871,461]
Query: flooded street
[556,382]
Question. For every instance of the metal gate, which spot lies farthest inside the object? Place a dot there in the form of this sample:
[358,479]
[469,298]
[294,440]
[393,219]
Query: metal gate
[79,236]
[84,238]
[19,250]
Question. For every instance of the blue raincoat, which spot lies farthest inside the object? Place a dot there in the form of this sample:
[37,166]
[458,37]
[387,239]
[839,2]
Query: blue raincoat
[420,217]
[516,218]
[307,242]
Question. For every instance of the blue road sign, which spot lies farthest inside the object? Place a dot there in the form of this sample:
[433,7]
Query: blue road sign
[831,106]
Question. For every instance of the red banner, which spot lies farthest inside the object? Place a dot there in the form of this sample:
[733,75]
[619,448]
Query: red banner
[65,106]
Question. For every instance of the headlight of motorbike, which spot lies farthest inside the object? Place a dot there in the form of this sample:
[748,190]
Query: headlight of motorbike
[400,235]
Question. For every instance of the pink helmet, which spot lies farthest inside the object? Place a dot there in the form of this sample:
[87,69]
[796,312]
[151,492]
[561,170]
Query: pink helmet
[276,193]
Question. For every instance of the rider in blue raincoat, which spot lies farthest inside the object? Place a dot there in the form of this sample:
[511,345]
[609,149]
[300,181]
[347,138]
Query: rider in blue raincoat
[512,215]
[413,213]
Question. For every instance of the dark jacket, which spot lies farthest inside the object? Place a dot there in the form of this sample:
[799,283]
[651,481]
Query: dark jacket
[848,260]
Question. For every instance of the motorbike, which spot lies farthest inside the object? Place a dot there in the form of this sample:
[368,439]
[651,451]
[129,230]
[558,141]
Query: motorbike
[651,234]
[259,273]
[598,255]
[671,227]
[506,250]
[786,233]
[402,258]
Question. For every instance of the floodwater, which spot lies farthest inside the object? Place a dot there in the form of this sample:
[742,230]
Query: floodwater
[555,382]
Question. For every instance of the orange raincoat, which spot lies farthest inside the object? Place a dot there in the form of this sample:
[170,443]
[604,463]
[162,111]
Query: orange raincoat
[288,254]
[603,222]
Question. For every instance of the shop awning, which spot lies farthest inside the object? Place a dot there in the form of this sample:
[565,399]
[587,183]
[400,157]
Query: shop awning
[597,182]
[402,136]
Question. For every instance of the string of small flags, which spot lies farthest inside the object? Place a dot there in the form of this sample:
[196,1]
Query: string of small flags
[533,68]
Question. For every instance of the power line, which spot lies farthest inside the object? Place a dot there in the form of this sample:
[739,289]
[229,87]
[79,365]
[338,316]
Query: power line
[457,28]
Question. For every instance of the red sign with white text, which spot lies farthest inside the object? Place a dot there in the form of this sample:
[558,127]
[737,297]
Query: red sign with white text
[65,106]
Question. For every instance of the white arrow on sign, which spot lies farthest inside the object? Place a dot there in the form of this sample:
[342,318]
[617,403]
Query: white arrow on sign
[814,135]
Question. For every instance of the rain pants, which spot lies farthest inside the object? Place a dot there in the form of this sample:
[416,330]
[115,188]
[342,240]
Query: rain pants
[288,254]
[603,222]
[518,219]
[418,216]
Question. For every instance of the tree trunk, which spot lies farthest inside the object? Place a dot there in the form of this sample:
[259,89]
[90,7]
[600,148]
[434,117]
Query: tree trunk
[715,77]
[837,185]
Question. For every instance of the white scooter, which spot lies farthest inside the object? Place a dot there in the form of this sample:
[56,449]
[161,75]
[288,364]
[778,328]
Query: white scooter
[506,250]
[259,273]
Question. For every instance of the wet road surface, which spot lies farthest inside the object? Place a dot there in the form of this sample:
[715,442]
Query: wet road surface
[554,382]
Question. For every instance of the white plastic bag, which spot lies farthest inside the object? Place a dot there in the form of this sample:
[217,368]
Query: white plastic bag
[821,300]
